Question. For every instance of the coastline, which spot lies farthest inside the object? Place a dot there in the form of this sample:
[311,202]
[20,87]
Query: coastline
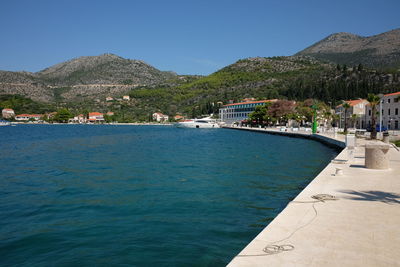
[116,124]
[358,228]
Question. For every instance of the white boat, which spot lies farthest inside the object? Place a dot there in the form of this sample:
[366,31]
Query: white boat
[198,123]
[4,123]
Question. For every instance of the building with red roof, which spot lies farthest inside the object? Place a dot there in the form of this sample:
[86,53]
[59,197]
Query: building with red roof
[390,112]
[160,117]
[355,115]
[7,113]
[96,117]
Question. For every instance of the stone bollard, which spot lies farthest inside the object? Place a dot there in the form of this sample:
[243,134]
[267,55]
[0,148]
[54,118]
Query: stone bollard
[386,137]
[350,141]
[376,155]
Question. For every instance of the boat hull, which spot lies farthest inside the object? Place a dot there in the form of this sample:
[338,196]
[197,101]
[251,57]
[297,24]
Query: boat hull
[196,125]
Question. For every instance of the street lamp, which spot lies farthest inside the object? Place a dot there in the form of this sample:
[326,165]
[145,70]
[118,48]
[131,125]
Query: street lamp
[380,112]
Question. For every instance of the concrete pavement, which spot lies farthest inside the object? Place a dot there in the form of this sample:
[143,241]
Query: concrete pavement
[360,227]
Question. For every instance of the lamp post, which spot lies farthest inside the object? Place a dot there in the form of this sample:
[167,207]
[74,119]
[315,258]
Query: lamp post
[380,112]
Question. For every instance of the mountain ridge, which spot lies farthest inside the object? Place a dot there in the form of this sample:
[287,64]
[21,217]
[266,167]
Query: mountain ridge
[78,75]
[376,51]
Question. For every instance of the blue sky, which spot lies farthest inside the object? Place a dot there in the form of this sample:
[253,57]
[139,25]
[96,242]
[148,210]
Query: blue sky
[185,36]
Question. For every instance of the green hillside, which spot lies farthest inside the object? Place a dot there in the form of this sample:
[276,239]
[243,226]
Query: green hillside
[296,78]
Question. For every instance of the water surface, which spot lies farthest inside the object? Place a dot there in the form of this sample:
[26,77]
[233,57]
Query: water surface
[143,195]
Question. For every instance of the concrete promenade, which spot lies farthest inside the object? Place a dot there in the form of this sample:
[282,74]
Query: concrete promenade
[359,227]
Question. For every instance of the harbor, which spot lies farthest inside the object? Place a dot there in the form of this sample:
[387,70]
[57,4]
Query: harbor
[347,216]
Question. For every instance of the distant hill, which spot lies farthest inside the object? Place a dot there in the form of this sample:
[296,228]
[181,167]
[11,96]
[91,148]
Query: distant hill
[83,77]
[295,77]
[380,51]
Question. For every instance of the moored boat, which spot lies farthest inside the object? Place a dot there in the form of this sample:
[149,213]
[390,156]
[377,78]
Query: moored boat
[4,123]
[207,122]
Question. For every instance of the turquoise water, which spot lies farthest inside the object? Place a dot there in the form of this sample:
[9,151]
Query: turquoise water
[143,195]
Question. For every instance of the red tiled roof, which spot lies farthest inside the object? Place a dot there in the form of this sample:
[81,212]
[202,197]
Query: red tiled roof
[30,115]
[397,93]
[251,102]
[8,109]
[95,114]
[352,102]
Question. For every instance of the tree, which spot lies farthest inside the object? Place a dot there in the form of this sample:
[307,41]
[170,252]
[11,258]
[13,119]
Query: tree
[281,109]
[346,106]
[63,115]
[374,101]
[259,114]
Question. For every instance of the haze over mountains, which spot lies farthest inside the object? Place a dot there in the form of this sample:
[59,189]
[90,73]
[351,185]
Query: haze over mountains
[95,77]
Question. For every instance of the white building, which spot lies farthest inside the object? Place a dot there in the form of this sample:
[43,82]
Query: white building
[355,115]
[8,113]
[126,97]
[160,117]
[237,112]
[390,112]
[26,117]
[96,117]
[78,119]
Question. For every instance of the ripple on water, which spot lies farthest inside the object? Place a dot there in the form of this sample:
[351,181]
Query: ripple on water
[143,196]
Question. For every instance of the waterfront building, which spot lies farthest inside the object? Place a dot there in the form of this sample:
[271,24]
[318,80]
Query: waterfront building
[178,117]
[160,117]
[390,112]
[8,113]
[96,117]
[355,115]
[126,97]
[237,112]
[78,119]
[27,117]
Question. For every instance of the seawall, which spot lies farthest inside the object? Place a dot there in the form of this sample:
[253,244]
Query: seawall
[337,142]
[357,224]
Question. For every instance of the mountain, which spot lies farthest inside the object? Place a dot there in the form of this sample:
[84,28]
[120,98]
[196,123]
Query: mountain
[379,51]
[83,77]
[294,77]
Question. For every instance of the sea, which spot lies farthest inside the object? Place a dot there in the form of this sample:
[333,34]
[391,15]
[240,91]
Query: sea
[113,195]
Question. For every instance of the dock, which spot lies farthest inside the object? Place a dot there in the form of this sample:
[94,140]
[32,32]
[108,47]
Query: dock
[347,216]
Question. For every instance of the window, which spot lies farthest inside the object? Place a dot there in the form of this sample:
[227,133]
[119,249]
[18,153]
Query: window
[396,111]
[369,112]
[389,111]
[389,100]
[396,99]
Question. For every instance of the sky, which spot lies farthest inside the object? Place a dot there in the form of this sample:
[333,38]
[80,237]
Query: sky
[184,36]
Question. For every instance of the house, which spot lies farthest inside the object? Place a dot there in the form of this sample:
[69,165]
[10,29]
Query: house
[355,115]
[78,119]
[110,113]
[390,112]
[27,117]
[8,113]
[160,117]
[178,117]
[109,98]
[126,97]
[96,117]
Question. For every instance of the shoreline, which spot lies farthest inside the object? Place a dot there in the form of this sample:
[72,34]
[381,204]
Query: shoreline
[362,219]
[116,124]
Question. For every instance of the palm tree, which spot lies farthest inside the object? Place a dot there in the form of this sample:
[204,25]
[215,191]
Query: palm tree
[354,118]
[346,106]
[374,101]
